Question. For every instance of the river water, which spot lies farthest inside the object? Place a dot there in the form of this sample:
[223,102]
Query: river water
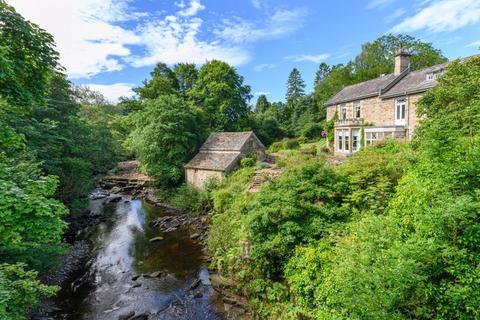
[128,274]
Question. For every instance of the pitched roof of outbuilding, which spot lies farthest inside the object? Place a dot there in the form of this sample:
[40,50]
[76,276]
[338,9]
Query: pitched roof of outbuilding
[221,151]
[217,161]
[226,141]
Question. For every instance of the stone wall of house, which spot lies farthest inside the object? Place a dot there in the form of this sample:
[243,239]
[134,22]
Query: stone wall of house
[379,112]
[412,120]
[198,177]
[331,111]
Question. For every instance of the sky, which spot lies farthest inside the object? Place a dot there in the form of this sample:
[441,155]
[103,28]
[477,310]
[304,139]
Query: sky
[112,45]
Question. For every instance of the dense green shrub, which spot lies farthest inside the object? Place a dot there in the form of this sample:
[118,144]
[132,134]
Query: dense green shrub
[19,289]
[227,236]
[302,205]
[285,144]
[374,173]
[419,260]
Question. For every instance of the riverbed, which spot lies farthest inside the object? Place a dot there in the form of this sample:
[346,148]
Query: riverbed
[129,276]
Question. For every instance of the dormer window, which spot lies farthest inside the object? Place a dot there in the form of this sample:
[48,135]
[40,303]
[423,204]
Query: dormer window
[356,110]
[434,75]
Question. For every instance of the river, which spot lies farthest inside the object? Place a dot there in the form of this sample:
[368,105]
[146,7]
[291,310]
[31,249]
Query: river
[130,276]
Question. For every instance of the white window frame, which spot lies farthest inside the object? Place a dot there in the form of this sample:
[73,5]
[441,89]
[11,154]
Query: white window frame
[346,135]
[340,140]
[400,111]
[356,140]
[357,111]
[343,111]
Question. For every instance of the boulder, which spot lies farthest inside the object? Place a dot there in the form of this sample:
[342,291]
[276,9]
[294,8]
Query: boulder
[156,239]
[115,189]
[126,315]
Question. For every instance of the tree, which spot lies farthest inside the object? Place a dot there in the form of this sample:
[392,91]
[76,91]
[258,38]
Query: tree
[187,75]
[378,57]
[262,104]
[222,96]
[165,136]
[295,86]
[27,56]
[321,74]
[163,82]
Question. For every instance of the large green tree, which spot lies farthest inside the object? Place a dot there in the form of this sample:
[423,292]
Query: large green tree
[223,97]
[165,135]
[27,57]
[186,74]
[262,104]
[377,58]
[163,82]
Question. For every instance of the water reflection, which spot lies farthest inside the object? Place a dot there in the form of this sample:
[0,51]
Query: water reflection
[118,280]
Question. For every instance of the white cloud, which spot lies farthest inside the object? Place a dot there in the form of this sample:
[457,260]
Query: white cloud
[113,92]
[194,7]
[264,66]
[373,4]
[317,58]
[175,39]
[395,15]
[256,3]
[259,93]
[441,16]
[278,24]
[86,38]
[474,44]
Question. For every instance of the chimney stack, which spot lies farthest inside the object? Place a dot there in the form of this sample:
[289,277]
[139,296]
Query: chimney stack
[402,60]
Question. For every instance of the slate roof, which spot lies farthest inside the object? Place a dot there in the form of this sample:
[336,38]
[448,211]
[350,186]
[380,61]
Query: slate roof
[361,90]
[415,81]
[221,151]
[218,161]
[387,86]
[226,141]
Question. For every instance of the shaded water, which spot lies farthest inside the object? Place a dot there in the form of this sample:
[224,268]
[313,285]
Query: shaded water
[107,288]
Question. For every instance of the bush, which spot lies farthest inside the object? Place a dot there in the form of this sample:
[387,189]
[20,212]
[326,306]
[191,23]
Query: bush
[189,199]
[300,206]
[292,144]
[19,291]
[312,131]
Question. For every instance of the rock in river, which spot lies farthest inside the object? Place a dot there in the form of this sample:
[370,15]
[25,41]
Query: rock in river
[156,239]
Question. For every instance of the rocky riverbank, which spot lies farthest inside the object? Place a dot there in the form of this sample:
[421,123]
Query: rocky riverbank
[234,306]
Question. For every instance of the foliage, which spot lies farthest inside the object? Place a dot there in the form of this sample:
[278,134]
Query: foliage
[285,144]
[188,199]
[47,154]
[419,259]
[18,290]
[165,135]
[227,236]
[298,207]
[262,104]
[187,75]
[220,93]
[374,174]
[163,82]
[378,57]
[27,57]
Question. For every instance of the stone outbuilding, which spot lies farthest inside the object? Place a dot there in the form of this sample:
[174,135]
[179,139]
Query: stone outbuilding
[220,154]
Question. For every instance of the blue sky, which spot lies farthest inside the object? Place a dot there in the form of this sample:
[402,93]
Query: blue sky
[112,45]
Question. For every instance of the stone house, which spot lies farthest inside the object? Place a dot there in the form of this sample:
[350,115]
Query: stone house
[220,154]
[380,108]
